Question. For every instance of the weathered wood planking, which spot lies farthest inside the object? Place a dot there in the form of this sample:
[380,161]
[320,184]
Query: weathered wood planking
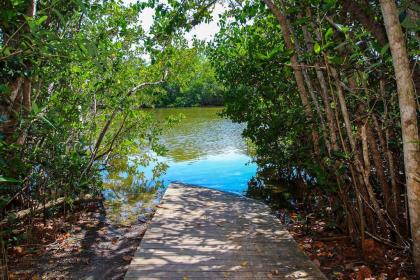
[198,233]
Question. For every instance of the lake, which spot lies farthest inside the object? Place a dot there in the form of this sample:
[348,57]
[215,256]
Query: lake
[201,149]
[207,150]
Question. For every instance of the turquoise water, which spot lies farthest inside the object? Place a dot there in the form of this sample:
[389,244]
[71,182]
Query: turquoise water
[207,150]
[229,172]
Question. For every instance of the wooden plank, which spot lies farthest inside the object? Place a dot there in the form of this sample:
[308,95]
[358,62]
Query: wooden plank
[199,233]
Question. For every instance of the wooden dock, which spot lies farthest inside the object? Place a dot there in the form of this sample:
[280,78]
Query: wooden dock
[198,233]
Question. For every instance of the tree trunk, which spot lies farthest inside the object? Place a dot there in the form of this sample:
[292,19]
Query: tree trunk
[379,169]
[324,88]
[312,92]
[287,36]
[389,155]
[369,188]
[27,107]
[410,132]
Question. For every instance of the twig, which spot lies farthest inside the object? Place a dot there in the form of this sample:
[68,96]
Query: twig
[385,242]
[39,208]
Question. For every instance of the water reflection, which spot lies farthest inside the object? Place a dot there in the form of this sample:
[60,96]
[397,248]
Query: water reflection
[129,191]
[202,149]
[200,133]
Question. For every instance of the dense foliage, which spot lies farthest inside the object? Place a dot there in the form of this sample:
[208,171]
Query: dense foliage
[329,91]
[195,83]
[314,81]
[74,76]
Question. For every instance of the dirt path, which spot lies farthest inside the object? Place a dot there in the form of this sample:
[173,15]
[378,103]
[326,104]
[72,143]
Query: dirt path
[88,246]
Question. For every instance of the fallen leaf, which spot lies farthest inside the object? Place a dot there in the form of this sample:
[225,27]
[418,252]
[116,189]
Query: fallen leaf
[127,258]
[363,273]
[319,244]
[185,278]
[18,250]
[269,275]
[114,240]
[244,263]
[373,250]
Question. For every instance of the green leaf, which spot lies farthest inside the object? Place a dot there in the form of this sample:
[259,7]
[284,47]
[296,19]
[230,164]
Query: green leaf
[48,122]
[330,3]
[41,20]
[8,180]
[30,22]
[4,89]
[329,33]
[410,24]
[384,49]
[335,60]
[35,108]
[83,48]
[342,28]
[16,3]
[317,48]
[6,51]
[261,56]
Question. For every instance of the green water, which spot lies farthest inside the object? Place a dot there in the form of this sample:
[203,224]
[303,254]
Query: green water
[200,133]
[202,149]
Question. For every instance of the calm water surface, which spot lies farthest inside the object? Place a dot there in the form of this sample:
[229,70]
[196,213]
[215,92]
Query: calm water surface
[207,150]
[202,149]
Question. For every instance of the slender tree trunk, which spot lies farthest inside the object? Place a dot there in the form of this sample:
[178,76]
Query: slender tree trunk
[287,36]
[312,92]
[389,155]
[388,158]
[369,187]
[27,107]
[379,169]
[100,138]
[410,132]
[324,88]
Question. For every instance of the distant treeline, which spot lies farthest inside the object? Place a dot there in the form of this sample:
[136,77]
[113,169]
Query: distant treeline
[195,82]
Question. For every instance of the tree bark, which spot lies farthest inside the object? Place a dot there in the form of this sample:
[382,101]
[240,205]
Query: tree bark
[379,169]
[369,188]
[408,107]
